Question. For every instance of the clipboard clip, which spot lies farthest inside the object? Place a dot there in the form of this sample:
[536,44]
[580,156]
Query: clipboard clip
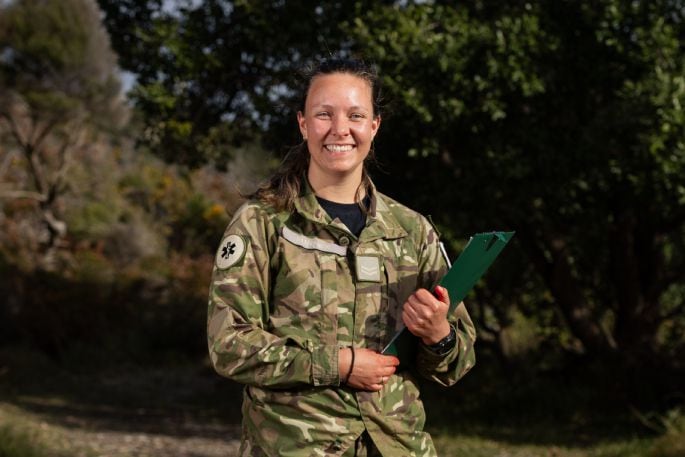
[493,239]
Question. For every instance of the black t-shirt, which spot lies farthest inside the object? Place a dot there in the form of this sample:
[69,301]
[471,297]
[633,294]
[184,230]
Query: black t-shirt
[349,213]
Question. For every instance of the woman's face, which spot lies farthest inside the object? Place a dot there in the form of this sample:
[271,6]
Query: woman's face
[338,124]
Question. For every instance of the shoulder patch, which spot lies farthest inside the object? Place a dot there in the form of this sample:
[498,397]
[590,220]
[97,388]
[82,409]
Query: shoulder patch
[231,251]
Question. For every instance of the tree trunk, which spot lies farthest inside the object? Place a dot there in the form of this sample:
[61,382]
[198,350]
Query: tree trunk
[556,271]
[635,268]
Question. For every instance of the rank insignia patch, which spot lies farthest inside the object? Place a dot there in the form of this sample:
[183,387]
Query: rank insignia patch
[368,268]
[231,252]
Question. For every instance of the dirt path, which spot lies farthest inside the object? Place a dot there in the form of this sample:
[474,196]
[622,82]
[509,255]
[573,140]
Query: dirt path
[180,412]
[114,436]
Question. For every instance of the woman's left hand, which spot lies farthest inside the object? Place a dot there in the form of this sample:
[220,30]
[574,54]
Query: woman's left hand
[426,316]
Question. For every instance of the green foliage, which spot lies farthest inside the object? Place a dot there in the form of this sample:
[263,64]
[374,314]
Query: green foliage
[221,71]
[56,58]
[15,442]
[59,100]
[560,121]
[134,268]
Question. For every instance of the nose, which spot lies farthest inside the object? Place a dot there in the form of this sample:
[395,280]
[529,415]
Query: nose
[340,126]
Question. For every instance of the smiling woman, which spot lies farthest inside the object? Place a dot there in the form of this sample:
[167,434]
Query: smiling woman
[339,124]
[313,277]
[338,94]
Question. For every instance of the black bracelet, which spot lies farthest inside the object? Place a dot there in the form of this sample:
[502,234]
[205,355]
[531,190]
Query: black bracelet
[349,372]
[445,345]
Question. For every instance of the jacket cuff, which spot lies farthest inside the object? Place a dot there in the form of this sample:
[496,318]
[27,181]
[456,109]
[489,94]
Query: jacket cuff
[430,360]
[325,365]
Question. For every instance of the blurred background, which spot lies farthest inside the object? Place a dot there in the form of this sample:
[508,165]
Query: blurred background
[129,130]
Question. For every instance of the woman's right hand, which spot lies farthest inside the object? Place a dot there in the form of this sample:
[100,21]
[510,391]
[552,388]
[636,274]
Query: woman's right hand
[371,370]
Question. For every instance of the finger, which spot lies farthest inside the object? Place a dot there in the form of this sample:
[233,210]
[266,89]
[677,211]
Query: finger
[410,320]
[412,303]
[374,385]
[410,313]
[389,372]
[420,307]
[442,294]
[440,298]
[422,313]
[387,360]
[424,296]
[383,380]
[424,303]
[386,370]
[389,367]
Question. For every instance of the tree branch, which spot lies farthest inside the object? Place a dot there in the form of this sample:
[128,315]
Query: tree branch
[6,163]
[43,134]
[36,169]
[14,128]
[15,194]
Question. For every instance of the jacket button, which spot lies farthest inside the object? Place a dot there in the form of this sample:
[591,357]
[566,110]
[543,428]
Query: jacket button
[344,241]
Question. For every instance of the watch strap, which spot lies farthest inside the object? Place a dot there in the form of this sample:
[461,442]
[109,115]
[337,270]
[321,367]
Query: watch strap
[445,345]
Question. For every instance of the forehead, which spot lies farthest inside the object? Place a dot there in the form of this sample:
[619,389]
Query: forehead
[340,89]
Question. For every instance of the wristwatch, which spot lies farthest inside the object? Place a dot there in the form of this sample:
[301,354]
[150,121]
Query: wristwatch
[445,345]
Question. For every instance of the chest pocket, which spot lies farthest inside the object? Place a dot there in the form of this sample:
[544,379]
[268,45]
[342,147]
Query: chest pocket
[304,292]
[401,271]
[379,303]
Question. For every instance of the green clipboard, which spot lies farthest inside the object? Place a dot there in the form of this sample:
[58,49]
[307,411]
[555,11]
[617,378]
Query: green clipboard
[479,253]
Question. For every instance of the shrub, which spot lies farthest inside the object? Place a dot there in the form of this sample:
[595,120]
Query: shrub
[18,443]
[672,442]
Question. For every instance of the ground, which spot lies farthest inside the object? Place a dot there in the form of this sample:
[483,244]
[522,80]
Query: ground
[187,410]
[180,411]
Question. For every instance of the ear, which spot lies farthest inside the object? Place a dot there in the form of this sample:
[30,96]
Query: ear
[375,125]
[302,123]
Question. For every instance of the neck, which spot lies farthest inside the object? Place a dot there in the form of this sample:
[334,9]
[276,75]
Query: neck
[342,189]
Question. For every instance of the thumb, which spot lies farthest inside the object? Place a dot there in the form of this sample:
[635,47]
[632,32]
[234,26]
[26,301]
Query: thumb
[442,294]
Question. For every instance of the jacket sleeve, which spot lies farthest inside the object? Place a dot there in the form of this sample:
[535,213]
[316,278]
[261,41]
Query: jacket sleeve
[240,345]
[449,368]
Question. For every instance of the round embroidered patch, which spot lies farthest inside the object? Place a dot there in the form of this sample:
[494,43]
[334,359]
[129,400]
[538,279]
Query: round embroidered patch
[231,251]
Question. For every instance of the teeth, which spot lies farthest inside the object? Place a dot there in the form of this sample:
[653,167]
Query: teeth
[339,147]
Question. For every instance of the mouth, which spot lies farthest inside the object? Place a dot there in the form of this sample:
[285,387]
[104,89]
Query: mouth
[339,147]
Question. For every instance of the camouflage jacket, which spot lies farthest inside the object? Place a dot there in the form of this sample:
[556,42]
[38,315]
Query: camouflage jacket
[289,289]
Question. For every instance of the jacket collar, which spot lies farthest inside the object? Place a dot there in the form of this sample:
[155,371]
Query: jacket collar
[380,223]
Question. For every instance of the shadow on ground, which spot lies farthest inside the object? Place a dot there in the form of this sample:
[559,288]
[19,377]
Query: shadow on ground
[183,410]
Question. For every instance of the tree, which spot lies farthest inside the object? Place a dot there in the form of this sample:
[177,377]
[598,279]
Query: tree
[215,75]
[562,121]
[58,91]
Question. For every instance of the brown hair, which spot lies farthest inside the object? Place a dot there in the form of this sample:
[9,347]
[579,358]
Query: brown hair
[286,184]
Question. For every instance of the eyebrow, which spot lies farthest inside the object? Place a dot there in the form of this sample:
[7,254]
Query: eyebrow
[351,108]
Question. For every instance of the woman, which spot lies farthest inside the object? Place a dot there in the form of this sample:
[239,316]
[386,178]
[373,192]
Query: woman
[313,277]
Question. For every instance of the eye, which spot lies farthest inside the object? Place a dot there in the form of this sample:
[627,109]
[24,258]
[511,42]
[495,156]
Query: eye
[323,115]
[357,116]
